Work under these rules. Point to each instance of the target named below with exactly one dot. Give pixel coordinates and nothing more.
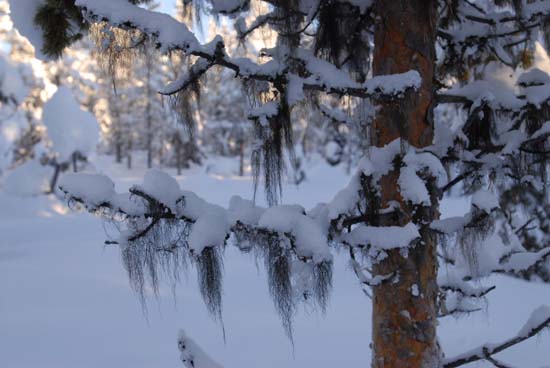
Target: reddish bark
(404, 325)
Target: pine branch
(496, 363)
(196, 71)
(486, 351)
(259, 22)
(541, 256)
(171, 35)
(157, 211)
(443, 98)
(457, 312)
(456, 181)
(524, 226)
(476, 293)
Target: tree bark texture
(405, 308)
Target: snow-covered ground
(65, 301)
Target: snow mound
(281, 218)
(383, 237)
(162, 187)
(244, 210)
(485, 201)
(538, 317)
(93, 189)
(449, 225)
(70, 129)
(533, 77)
(412, 188)
(168, 31)
(311, 238)
(210, 230)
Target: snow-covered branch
(539, 320)
(171, 35)
(192, 355)
(195, 72)
(159, 197)
(495, 29)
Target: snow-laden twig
(171, 35)
(192, 355)
(540, 319)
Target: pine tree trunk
(118, 149)
(149, 151)
(148, 117)
(53, 181)
(118, 136)
(178, 156)
(241, 157)
(129, 161)
(404, 322)
(129, 155)
(74, 159)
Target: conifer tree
(410, 59)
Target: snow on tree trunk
(404, 312)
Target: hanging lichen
(209, 266)
(322, 274)
(116, 49)
(272, 136)
(159, 252)
(183, 104)
(343, 38)
(277, 263)
(472, 238)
